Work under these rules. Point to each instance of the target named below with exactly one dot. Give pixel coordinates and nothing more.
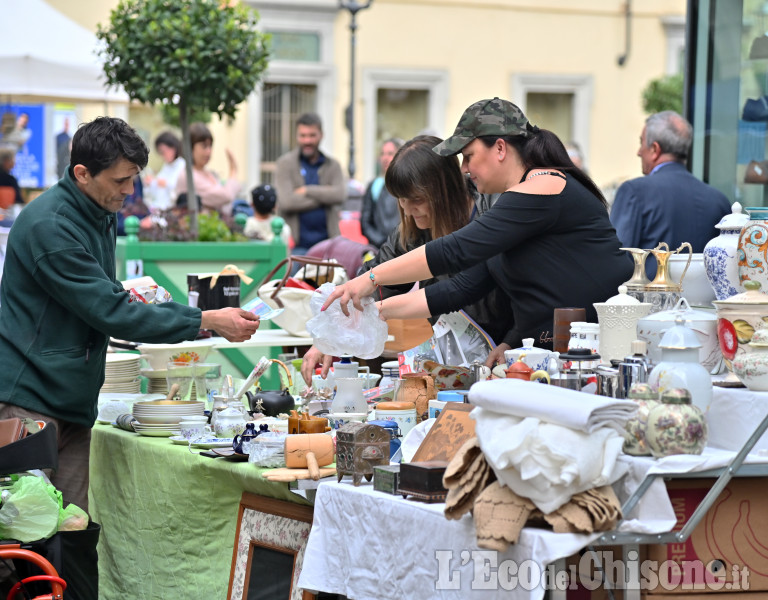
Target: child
(259, 226)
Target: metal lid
(753, 295)
(735, 220)
(680, 337)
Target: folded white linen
(556, 405)
(545, 462)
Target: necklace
(543, 173)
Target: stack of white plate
(122, 373)
(161, 418)
(158, 384)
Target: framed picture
(269, 549)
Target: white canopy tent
(44, 53)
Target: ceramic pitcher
(663, 282)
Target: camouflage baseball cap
(487, 117)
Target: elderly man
(310, 187)
(668, 204)
(61, 301)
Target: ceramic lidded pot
(721, 260)
(679, 366)
(539, 359)
(676, 426)
(738, 318)
(618, 317)
(752, 368)
(651, 329)
(646, 399)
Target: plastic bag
(73, 518)
(32, 511)
(266, 450)
(362, 334)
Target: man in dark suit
(668, 204)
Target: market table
(418, 553)
(168, 516)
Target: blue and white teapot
(538, 359)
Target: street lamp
(353, 7)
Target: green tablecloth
(168, 516)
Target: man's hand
(234, 324)
(301, 191)
(497, 356)
(311, 358)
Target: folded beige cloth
(593, 510)
(500, 515)
(466, 476)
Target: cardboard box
(728, 550)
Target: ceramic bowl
(336, 420)
(696, 287)
(159, 355)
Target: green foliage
(665, 93)
(171, 115)
(212, 229)
(206, 53)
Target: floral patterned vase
(721, 260)
(646, 399)
(753, 244)
(676, 426)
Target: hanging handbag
(282, 293)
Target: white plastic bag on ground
(362, 334)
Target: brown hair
(418, 172)
(199, 132)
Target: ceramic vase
(753, 245)
(721, 260)
(349, 396)
(676, 426)
(679, 366)
(634, 439)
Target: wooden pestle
(309, 451)
(172, 391)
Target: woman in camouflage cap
(547, 242)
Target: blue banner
(23, 126)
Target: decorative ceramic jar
(676, 426)
(679, 366)
(695, 285)
(721, 260)
(738, 319)
(753, 262)
(651, 328)
(539, 359)
(402, 413)
(646, 399)
(618, 317)
(752, 368)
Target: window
(282, 104)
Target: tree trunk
(186, 147)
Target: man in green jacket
(60, 301)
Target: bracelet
(372, 277)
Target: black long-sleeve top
(543, 251)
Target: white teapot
(230, 422)
(538, 359)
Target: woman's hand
(232, 164)
(496, 357)
(356, 289)
(311, 358)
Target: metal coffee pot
(573, 374)
(633, 369)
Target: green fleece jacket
(60, 303)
